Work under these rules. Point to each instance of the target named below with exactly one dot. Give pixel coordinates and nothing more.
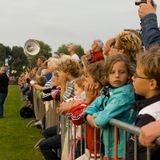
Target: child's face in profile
(77, 90)
(118, 75)
(139, 80)
(55, 81)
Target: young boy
(146, 82)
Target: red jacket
(96, 56)
(90, 139)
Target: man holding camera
(149, 24)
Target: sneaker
(36, 146)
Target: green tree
(45, 50)
(62, 49)
(8, 58)
(80, 50)
(2, 54)
(18, 60)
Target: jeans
(2, 99)
(49, 146)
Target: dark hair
(97, 71)
(42, 58)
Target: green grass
(17, 140)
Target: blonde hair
(53, 62)
(70, 66)
(130, 43)
(80, 83)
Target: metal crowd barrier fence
(127, 129)
(69, 132)
(38, 105)
(133, 130)
(45, 111)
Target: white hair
(99, 42)
(53, 62)
(65, 57)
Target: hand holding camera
(145, 7)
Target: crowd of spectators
(119, 79)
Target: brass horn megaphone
(31, 47)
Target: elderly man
(3, 88)
(96, 52)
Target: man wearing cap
(3, 88)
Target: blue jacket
(116, 105)
(150, 30)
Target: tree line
(17, 61)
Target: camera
(138, 2)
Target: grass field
(17, 140)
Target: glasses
(135, 75)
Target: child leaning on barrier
(53, 92)
(93, 83)
(75, 131)
(115, 102)
(68, 71)
(146, 82)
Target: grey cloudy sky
(59, 22)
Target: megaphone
(31, 47)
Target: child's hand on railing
(90, 119)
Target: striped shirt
(69, 92)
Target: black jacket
(4, 83)
(148, 111)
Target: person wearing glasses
(149, 24)
(146, 82)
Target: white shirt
(75, 57)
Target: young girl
(94, 79)
(115, 102)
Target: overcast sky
(58, 22)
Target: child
(146, 82)
(53, 92)
(78, 98)
(68, 70)
(94, 79)
(115, 102)
(71, 103)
